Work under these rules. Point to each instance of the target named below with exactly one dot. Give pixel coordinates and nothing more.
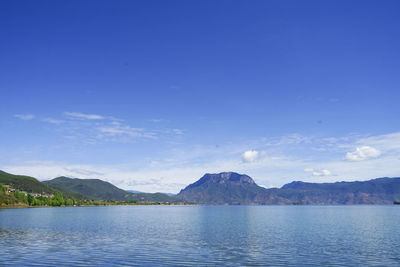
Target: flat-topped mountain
(228, 188)
(223, 178)
(234, 188)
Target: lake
(202, 235)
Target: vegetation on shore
(10, 197)
(97, 189)
(26, 191)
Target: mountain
(32, 185)
(157, 197)
(228, 188)
(169, 194)
(91, 188)
(223, 188)
(376, 191)
(24, 183)
(134, 191)
(100, 190)
(234, 188)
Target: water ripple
(201, 235)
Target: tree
(31, 200)
(57, 200)
(20, 197)
(3, 189)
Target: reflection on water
(202, 235)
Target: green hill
(100, 190)
(156, 197)
(25, 183)
(32, 185)
(91, 188)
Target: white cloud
(177, 131)
(53, 121)
(363, 153)
(185, 163)
(178, 164)
(96, 129)
(25, 117)
(84, 172)
(385, 142)
(291, 139)
(82, 116)
(323, 172)
(117, 129)
(252, 156)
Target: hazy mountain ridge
(233, 188)
(376, 191)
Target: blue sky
(150, 95)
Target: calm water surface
(202, 235)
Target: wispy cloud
(95, 128)
(289, 139)
(181, 166)
(118, 129)
(385, 142)
(177, 164)
(83, 116)
(84, 172)
(177, 131)
(25, 117)
(53, 121)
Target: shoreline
(191, 204)
(22, 206)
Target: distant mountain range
(220, 189)
(233, 188)
(91, 189)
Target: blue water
(202, 235)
